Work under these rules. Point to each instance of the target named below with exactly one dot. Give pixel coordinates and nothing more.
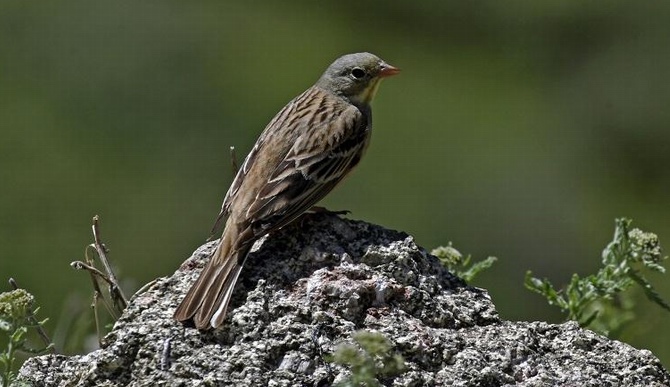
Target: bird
(302, 154)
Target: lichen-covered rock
(306, 289)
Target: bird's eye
(358, 73)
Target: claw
(324, 210)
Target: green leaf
(455, 262)
(595, 296)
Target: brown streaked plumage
(302, 154)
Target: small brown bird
(302, 154)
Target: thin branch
(96, 316)
(119, 299)
(233, 161)
(213, 234)
(95, 274)
(79, 265)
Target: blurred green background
(519, 129)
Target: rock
(306, 289)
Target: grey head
(356, 77)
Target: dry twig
(119, 300)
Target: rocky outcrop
(306, 289)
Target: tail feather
(222, 301)
(212, 290)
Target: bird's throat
(368, 94)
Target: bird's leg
(317, 211)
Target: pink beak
(387, 70)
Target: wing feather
(280, 118)
(316, 163)
(328, 138)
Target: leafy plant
(16, 317)
(371, 358)
(453, 260)
(600, 301)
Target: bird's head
(356, 77)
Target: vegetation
(370, 359)
(603, 301)
(453, 260)
(17, 316)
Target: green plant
(371, 358)
(453, 260)
(16, 317)
(600, 301)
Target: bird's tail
(206, 302)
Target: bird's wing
(249, 161)
(234, 187)
(320, 158)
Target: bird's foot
(324, 210)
